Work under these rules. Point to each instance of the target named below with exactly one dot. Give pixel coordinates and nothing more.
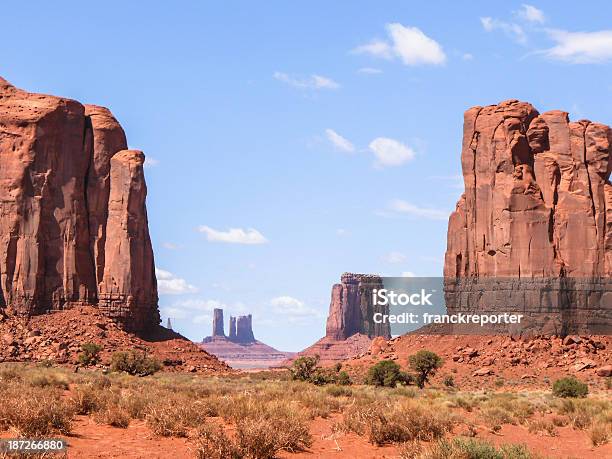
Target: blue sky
(327, 135)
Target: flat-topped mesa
(351, 309)
(537, 208)
(74, 226)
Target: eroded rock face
(351, 309)
(537, 207)
(72, 199)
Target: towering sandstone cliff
(534, 226)
(74, 223)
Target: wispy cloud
(511, 29)
(580, 47)
(293, 309)
(400, 207)
(313, 82)
(169, 284)
(369, 70)
(530, 13)
(150, 162)
(171, 246)
(408, 44)
(342, 232)
(390, 152)
(394, 257)
(248, 236)
(340, 143)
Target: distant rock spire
(169, 324)
(232, 328)
(218, 322)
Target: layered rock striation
(74, 225)
(533, 229)
(351, 309)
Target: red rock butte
(74, 222)
(537, 206)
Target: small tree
(134, 363)
(90, 353)
(386, 373)
(425, 364)
(303, 368)
(569, 387)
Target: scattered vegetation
(134, 363)
(90, 353)
(263, 415)
(306, 368)
(570, 387)
(425, 364)
(387, 373)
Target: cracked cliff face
(537, 201)
(74, 226)
(533, 231)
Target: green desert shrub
(570, 387)
(90, 353)
(304, 368)
(134, 363)
(386, 373)
(425, 364)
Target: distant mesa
(239, 348)
(350, 325)
(240, 329)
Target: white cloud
(390, 152)
(294, 309)
(467, 57)
(580, 47)
(342, 232)
(150, 162)
(403, 207)
(312, 82)
(170, 246)
(530, 13)
(339, 142)
(409, 44)
(233, 235)
(407, 274)
(511, 29)
(394, 257)
(169, 284)
(369, 70)
(376, 48)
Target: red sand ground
(91, 440)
